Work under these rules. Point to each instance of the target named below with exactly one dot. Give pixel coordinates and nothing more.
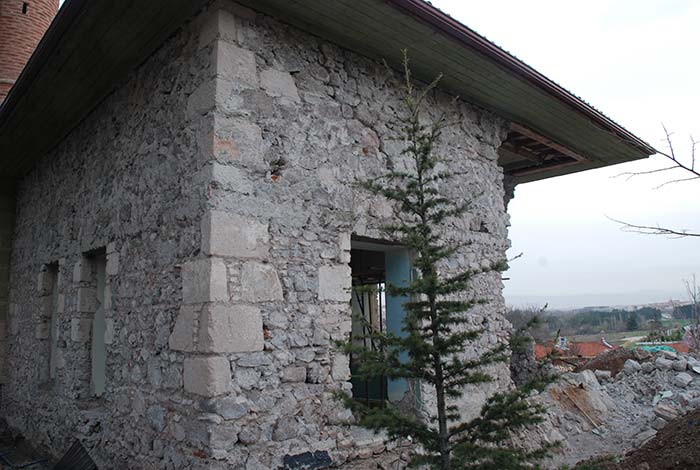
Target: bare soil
(675, 447)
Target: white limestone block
(219, 24)
(204, 280)
(334, 283)
(82, 271)
(182, 337)
(80, 329)
(112, 266)
(44, 282)
(234, 64)
(87, 300)
(227, 234)
(226, 328)
(207, 376)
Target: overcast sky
(636, 61)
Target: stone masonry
(216, 180)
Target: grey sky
(637, 62)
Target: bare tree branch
(653, 230)
(677, 165)
(676, 181)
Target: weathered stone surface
(682, 380)
(631, 366)
(294, 374)
(80, 329)
(112, 267)
(279, 84)
(229, 328)
(219, 24)
(82, 270)
(334, 283)
(259, 282)
(42, 330)
(234, 64)
(226, 234)
(680, 365)
(87, 300)
(648, 367)
(227, 407)
(663, 364)
(341, 367)
(603, 375)
(182, 337)
(44, 282)
(286, 428)
(228, 178)
(156, 417)
(669, 354)
(204, 280)
(207, 376)
(666, 412)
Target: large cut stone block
(207, 376)
(228, 178)
(182, 337)
(207, 96)
(260, 283)
(204, 280)
(334, 283)
(80, 329)
(227, 234)
(220, 24)
(231, 63)
(45, 282)
(279, 84)
(87, 300)
(82, 271)
(225, 328)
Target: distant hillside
(569, 302)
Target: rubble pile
(596, 413)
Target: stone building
(180, 237)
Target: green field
(612, 338)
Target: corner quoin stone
(182, 337)
(334, 283)
(204, 280)
(227, 234)
(207, 376)
(230, 328)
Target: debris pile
(613, 410)
(674, 447)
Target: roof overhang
(92, 45)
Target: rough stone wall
(216, 181)
(122, 181)
(7, 215)
(293, 121)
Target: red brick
(19, 35)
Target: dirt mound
(614, 360)
(675, 447)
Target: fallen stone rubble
(596, 413)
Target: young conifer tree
(436, 329)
